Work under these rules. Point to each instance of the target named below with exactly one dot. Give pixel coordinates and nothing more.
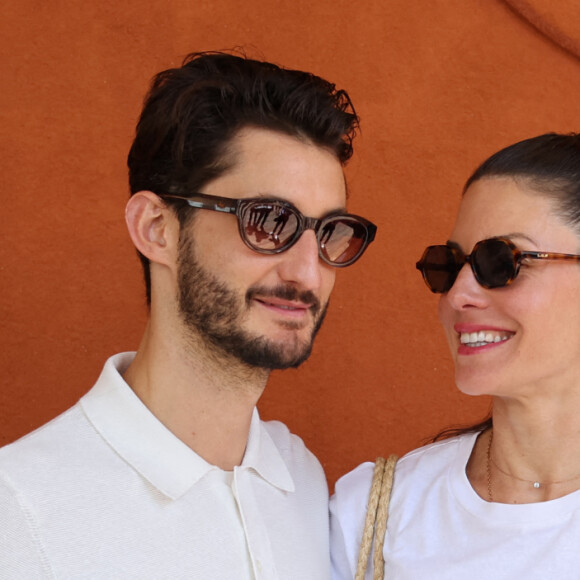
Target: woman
(500, 500)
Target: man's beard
(215, 313)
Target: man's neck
(205, 401)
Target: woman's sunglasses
(495, 263)
(271, 226)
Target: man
(164, 469)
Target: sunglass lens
(269, 226)
(494, 264)
(439, 268)
(342, 240)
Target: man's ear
(152, 226)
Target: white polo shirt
(106, 491)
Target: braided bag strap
(376, 518)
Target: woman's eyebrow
(511, 236)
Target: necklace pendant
(537, 485)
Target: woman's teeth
(481, 338)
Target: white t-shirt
(439, 528)
(106, 491)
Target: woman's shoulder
(414, 473)
(353, 488)
(433, 456)
(348, 508)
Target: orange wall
(439, 85)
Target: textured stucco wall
(439, 85)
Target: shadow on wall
(560, 22)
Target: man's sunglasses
(271, 226)
(495, 263)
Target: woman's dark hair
(455, 431)
(549, 165)
(192, 113)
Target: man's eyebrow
(273, 197)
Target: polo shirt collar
(263, 456)
(130, 428)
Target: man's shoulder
(53, 441)
(283, 437)
(67, 432)
(279, 431)
(290, 445)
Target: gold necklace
(535, 484)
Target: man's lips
(285, 307)
(285, 300)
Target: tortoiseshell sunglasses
(495, 263)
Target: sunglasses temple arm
(213, 206)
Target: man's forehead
(265, 163)
(251, 140)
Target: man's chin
(293, 359)
(273, 355)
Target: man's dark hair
(192, 113)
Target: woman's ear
(152, 226)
